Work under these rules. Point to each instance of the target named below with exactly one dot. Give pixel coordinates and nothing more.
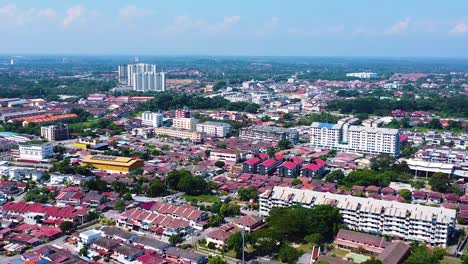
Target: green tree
(382, 162)
(418, 184)
(66, 226)
(335, 176)
(289, 254)
(284, 144)
(219, 164)
(235, 242)
(215, 260)
(271, 152)
(175, 239)
(421, 255)
(406, 194)
(296, 182)
(372, 261)
(119, 205)
(215, 220)
(464, 257)
(246, 194)
(156, 189)
(440, 182)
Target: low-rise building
(35, 151)
(269, 133)
(431, 225)
(214, 129)
(179, 133)
(186, 123)
(226, 155)
(113, 163)
(152, 119)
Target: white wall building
(55, 132)
(36, 151)
(142, 77)
(360, 139)
(362, 75)
(152, 119)
(185, 123)
(431, 225)
(214, 129)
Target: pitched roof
(394, 253)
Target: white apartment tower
(142, 77)
(152, 119)
(360, 139)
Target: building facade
(55, 132)
(214, 129)
(142, 77)
(360, 139)
(185, 123)
(179, 133)
(152, 119)
(113, 163)
(269, 133)
(36, 151)
(431, 225)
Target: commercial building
(84, 143)
(360, 139)
(431, 225)
(362, 75)
(269, 133)
(214, 129)
(55, 132)
(185, 123)
(152, 119)
(113, 163)
(179, 133)
(228, 155)
(35, 151)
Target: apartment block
(179, 133)
(55, 132)
(185, 123)
(36, 151)
(351, 138)
(152, 119)
(269, 133)
(431, 225)
(214, 129)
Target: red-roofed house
(220, 235)
(268, 166)
(289, 169)
(251, 165)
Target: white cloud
(184, 24)
(227, 23)
(131, 11)
(269, 26)
(73, 14)
(325, 31)
(459, 28)
(8, 10)
(399, 27)
(47, 12)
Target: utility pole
(243, 245)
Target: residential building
(182, 113)
(269, 133)
(179, 133)
(431, 225)
(251, 165)
(186, 123)
(268, 166)
(35, 151)
(220, 235)
(133, 69)
(55, 132)
(152, 119)
(113, 163)
(178, 255)
(362, 75)
(227, 155)
(214, 129)
(149, 81)
(289, 169)
(349, 138)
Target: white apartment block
(187, 123)
(431, 225)
(133, 69)
(231, 156)
(179, 133)
(36, 151)
(360, 139)
(214, 129)
(152, 119)
(362, 75)
(149, 81)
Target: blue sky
(396, 28)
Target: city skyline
(260, 28)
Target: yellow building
(112, 163)
(84, 143)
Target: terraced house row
(432, 225)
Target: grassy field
(304, 247)
(201, 198)
(448, 260)
(339, 253)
